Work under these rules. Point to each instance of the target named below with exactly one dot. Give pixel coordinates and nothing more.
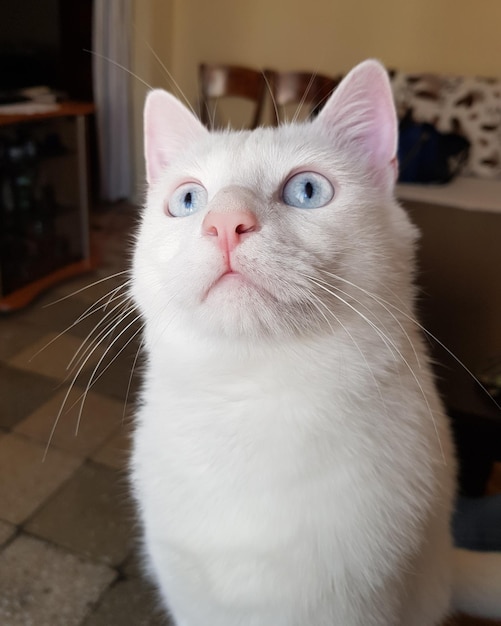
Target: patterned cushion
(469, 106)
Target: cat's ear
(168, 128)
(361, 112)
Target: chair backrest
(307, 90)
(220, 81)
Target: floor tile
(51, 356)
(15, 336)
(115, 452)
(100, 418)
(26, 480)
(90, 515)
(6, 532)
(49, 312)
(129, 603)
(21, 393)
(45, 586)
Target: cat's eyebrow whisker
(119, 65)
(93, 284)
(303, 99)
(273, 100)
(322, 101)
(170, 77)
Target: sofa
(471, 107)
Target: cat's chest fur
(256, 471)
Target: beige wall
(329, 36)
(152, 37)
(332, 35)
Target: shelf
(25, 295)
(64, 109)
(32, 264)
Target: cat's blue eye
(307, 190)
(187, 199)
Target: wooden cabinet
(44, 201)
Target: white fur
(292, 463)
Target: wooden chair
(222, 81)
(308, 91)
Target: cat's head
(254, 234)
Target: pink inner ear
(362, 112)
(169, 128)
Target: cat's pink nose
(230, 227)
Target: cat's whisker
(64, 402)
(122, 300)
(394, 317)
(386, 340)
(365, 291)
(93, 378)
(110, 297)
(131, 375)
(113, 295)
(93, 284)
(390, 346)
(428, 333)
(357, 301)
(315, 301)
(62, 408)
(104, 332)
(87, 313)
(355, 343)
(98, 341)
(59, 413)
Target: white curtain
(111, 45)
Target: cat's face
(241, 228)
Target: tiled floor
(68, 535)
(68, 547)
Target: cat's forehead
(265, 155)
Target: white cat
(292, 462)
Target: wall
(152, 30)
(332, 35)
(329, 36)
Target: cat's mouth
(228, 278)
(230, 281)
